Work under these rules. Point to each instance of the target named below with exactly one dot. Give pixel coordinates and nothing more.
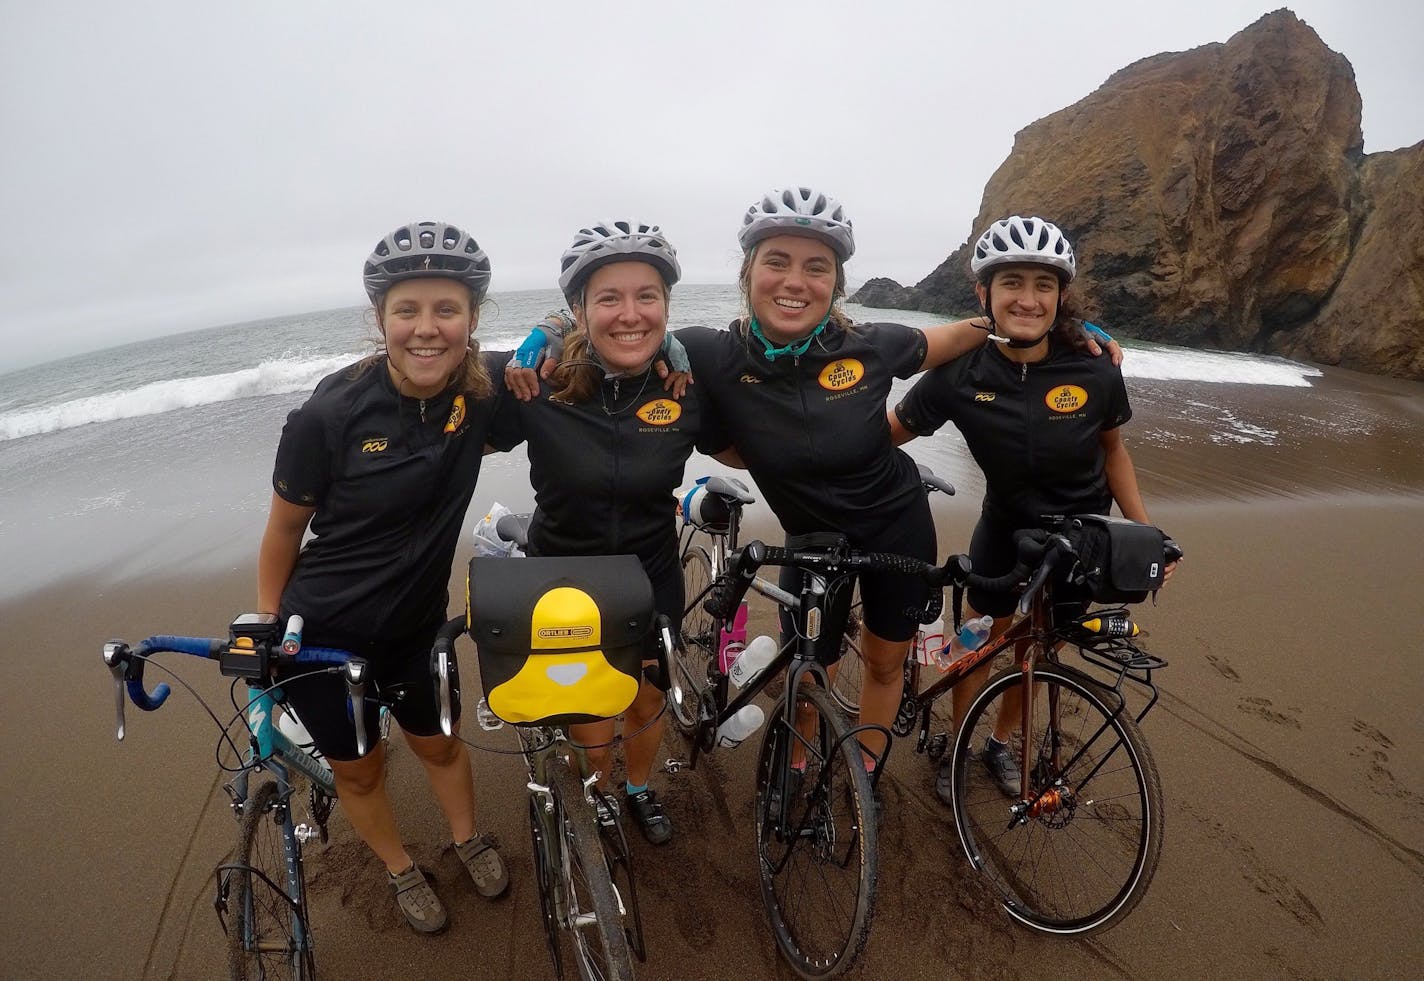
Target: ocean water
(154, 456)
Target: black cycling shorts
(992, 553)
(399, 675)
(889, 599)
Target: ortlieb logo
(660, 412)
(840, 375)
(1066, 398)
(564, 633)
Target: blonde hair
(578, 370)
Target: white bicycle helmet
(1013, 240)
(615, 241)
(427, 248)
(798, 211)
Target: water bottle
(740, 726)
(971, 637)
(753, 660)
(732, 642)
(929, 639)
(290, 726)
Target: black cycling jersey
(812, 429)
(391, 478)
(604, 472)
(1034, 429)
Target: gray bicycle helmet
(1014, 240)
(615, 241)
(427, 248)
(798, 211)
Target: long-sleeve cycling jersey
(1034, 429)
(604, 472)
(391, 478)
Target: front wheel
(1078, 853)
(693, 657)
(817, 852)
(594, 910)
(265, 915)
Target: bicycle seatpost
(355, 671)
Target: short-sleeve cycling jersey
(1033, 428)
(391, 478)
(812, 429)
(604, 472)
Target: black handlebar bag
(561, 640)
(1120, 561)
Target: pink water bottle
(732, 642)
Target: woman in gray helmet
(380, 463)
(607, 447)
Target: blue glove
(675, 353)
(531, 351)
(1094, 330)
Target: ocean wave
(1213, 366)
(278, 377)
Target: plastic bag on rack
(487, 539)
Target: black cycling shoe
(944, 784)
(651, 818)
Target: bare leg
(881, 685)
(641, 750)
(361, 787)
(597, 735)
(447, 764)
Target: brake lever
(356, 671)
(116, 656)
(440, 666)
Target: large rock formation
(1221, 197)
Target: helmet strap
(994, 334)
(795, 348)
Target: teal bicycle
(261, 893)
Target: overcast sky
(168, 166)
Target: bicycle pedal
(673, 765)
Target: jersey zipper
(805, 410)
(422, 410)
(617, 469)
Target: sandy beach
(1287, 739)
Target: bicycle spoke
(266, 928)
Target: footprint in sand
(1371, 733)
(1262, 708)
(1223, 667)
(1378, 775)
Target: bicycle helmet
(427, 248)
(1013, 240)
(615, 241)
(799, 211)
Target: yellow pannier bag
(560, 640)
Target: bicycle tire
(850, 669)
(263, 922)
(818, 880)
(544, 885)
(692, 659)
(594, 920)
(1084, 860)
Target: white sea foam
(1180, 364)
(268, 378)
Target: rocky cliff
(1220, 197)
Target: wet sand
(1287, 738)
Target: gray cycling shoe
(417, 900)
(1003, 767)
(481, 859)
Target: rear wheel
(594, 918)
(1078, 855)
(691, 660)
(267, 935)
(817, 854)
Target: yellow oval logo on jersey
(1066, 398)
(840, 375)
(660, 412)
(457, 415)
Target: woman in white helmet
(607, 447)
(380, 462)
(1041, 419)
(800, 392)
